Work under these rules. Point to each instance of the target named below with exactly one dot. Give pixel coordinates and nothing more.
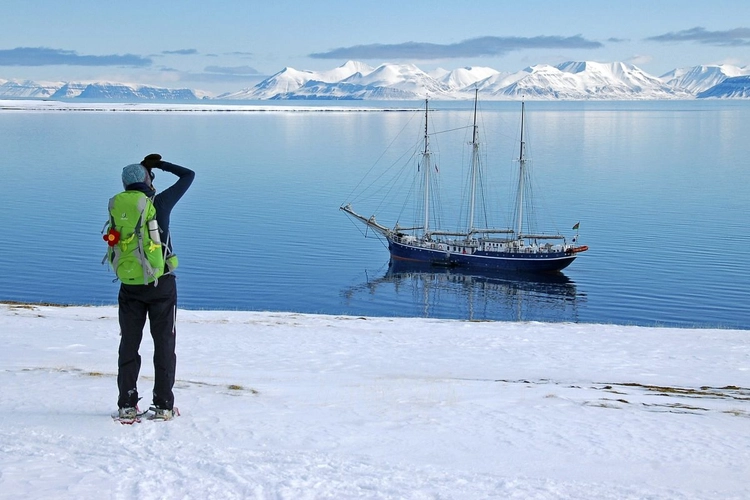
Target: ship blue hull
(502, 261)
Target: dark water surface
(660, 190)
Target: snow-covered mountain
(540, 81)
(463, 77)
(574, 80)
(345, 71)
(95, 90)
(121, 91)
(404, 77)
(286, 80)
(571, 80)
(737, 87)
(289, 80)
(27, 89)
(617, 80)
(70, 90)
(579, 80)
(344, 90)
(700, 78)
(387, 81)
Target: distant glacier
(574, 80)
(99, 90)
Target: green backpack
(135, 252)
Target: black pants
(159, 303)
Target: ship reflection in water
(422, 290)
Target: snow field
(283, 405)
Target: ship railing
(491, 231)
(448, 233)
(543, 236)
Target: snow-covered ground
(10, 105)
(291, 406)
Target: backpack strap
(148, 270)
(110, 224)
(166, 247)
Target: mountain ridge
(571, 80)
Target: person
(157, 300)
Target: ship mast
(427, 167)
(521, 176)
(474, 167)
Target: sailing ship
(507, 249)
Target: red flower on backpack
(112, 237)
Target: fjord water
(659, 188)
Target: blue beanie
(134, 173)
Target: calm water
(660, 190)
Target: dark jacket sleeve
(170, 196)
(165, 201)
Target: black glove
(151, 161)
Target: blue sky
(228, 45)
